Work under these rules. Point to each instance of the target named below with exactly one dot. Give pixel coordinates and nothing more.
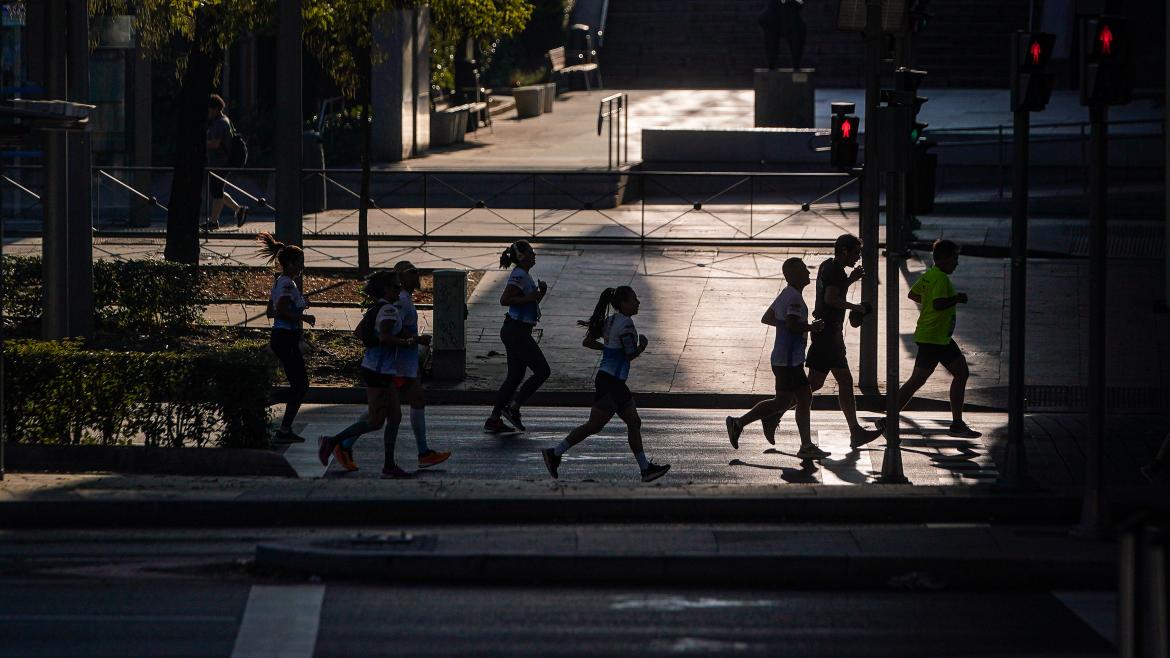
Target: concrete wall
(401, 85)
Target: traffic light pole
(1016, 467)
(871, 194)
(1093, 512)
(892, 472)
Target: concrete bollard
(449, 346)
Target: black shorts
(827, 351)
(930, 355)
(789, 378)
(376, 379)
(611, 393)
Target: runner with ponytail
(286, 307)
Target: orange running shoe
(345, 458)
(433, 457)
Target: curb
(440, 397)
(752, 570)
(324, 511)
(138, 459)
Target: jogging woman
(287, 309)
(408, 379)
(381, 332)
(620, 344)
(522, 295)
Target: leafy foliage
(141, 296)
(61, 393)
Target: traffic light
(1031, 81)
(843, 136)
(1106, 66)
(919, 16)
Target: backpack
(367, 329)
(238, 152)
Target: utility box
(449, 342)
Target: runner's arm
(834, 298)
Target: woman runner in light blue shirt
(619, 342)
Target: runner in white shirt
(409, 378)
(522, 295)
(619, 342)
(789, 314)
(286, 307)
(381, 332)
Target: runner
(827, 352)
(408, 378)
(381, 332)
(1159, 469)
(789, 314)
(935, 293)
(286, 307)
(522, 295)
(620, 344)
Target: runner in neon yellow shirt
(935, 293)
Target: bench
(557, 66)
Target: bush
(141, 296)
(57, 392)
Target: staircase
(655, 44)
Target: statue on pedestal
(781, 19)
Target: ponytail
(596, 322)
(378, 282)
(511, 255)
(273, 250)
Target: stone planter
(529, 100)
(550, 96)
(448, 126)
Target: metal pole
(1093, 511)
(1015, 471)
(870, 193)
(609, 138)
(289, 215)
(892, 472)
(626, 109)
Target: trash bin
(529, 100)
(313, 193)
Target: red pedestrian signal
(1106, 66)
(1031, 82)
(843, 135)
(1105, 40)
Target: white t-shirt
(528, 313)
(789, 347)
(382, 358)
(286, 287)
(407, 357)
(619, 341)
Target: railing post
(424, 206)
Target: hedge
(58, 392)
(143, 296)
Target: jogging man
(935, 293)
(789, 314)
(827, 352)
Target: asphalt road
(694, 442)
(215, 618)
(126, 593)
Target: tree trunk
(367, 141)
(188, 185)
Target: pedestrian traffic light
(843, 136)
(1031, 81)
(1106, 65)
(919, 16)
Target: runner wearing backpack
(381, 332)
(225, 148)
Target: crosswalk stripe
(280, 622)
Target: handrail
(261, 201)
(618, 104)
(21, 188)
(150, 200)
(1035, 126)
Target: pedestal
(785, 98)
(529, 101)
